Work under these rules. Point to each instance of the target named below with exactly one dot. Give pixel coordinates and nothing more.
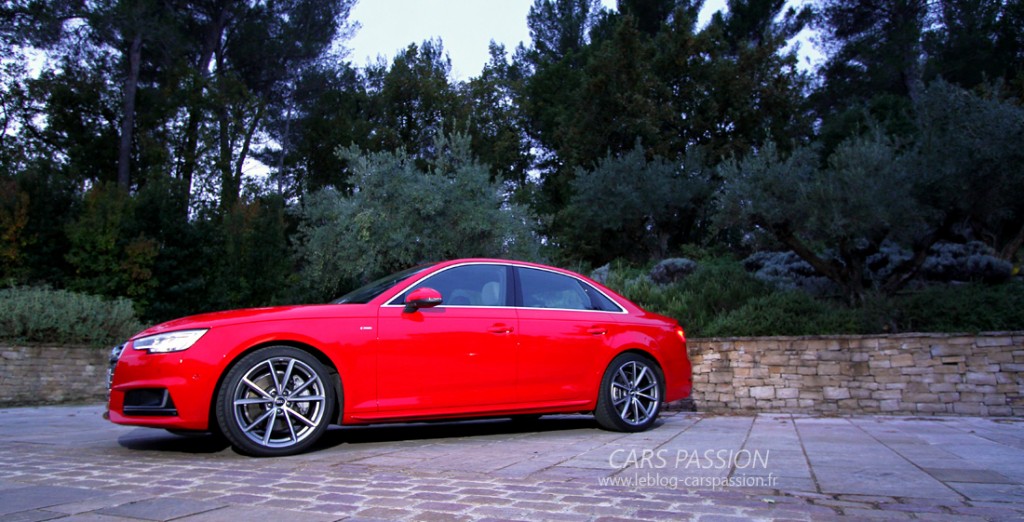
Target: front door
(459, 354)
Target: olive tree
(834, 217)
(960, 178)
(405, 210)
(632, 207)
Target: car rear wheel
(630, 394)
(275, 401)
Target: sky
(465, 27)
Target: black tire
(630, 395)
(275, 401)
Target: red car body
(389, 362)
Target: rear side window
(544, 289)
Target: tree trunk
(1011, 248)
(131, 85)
(211, 44)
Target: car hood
(252, 315)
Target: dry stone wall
(911, 374)
(36, 375)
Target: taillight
(681, 334)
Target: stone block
(1000, 411)
(980, 378)
(889, 405)
(933, 408)
(942, 350)
(835, 393)
(762, 392)
(990, 342)
(999, 357)
(828, 369)
(775, 360)
(940, 387)
(969, 408)
(901, 360)
(787, 393)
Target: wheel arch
(320, 356)
(643, 352)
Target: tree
(970, 165)
(496, 124)
(835, 217)
(874, 48)
(631, 207)
(958, 179)
(412, 101)
(976, 42)
(401, 213)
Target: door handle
(500, 329)
(597, 330)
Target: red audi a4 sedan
(452, 340)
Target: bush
(721, 299)
(672, 270)
(973, 261)
(58, 316)
(969, 308)
(785, 313)
(717, 286)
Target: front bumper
(166, 390)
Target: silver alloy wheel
(634, 393)
(279, 402)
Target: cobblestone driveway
(67, 463)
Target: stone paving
(67, 463)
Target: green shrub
(969, 308)
(722, 299)
(718, 286)
(785, 313)
(58, 316)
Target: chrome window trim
(391, 302)
(622, 310)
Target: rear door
(563, 329)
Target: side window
(543, 289)
(469, 285)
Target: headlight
(169, 342)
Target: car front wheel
(630, 395)
(275, 401)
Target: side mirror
(421, 298)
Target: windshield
(365, 294)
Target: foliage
(400, 214)
(106, 258)
(672, 269)
(721, 299)
(871, 192)
(717, 287)
(785, 313)
(58, 316)
(859, 200)
(629, 206)
(126, 152)
(969, 308)
(972, 261)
